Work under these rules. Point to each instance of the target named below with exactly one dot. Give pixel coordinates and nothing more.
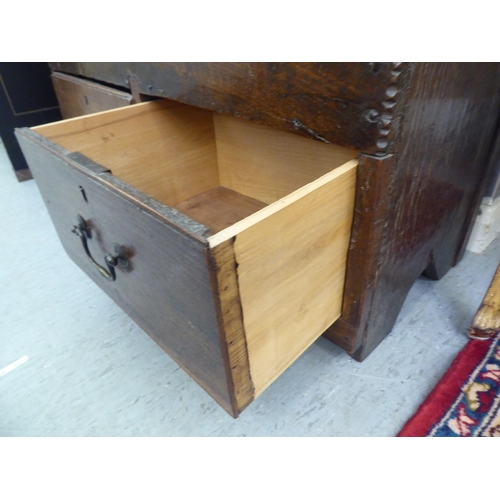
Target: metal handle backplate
(118, 258)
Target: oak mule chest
(253, 207)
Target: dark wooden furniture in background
(27, 99)
(423, 131)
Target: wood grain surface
(365, 249)
(219, 208)
(268, 164)
(78, 97)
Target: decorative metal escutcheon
(118, 258)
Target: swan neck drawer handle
(112, 260)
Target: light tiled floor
(91, 371)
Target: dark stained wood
(168, 274)
(219, 208)
(23, 175)
(432, 188)
(77, 96)
(349, 104)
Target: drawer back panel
(268, 164)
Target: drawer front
(78, 97)
(166, 289)
(349, 104)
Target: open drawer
(226, 241)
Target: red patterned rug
(466, 401)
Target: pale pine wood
(165, 150)
(291, 270)
(80, 124)
(271, 209)
(219, 208)
(268, 164)
(486, 322)
(227, 299)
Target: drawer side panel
(167, 289)
(291, 271)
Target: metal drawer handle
(112, 260)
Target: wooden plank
(268, 164)
(291, 267)
(78, 97)
(219, 208)
(486, 322)
(275, 207)
(233, 340)
(167, 289)
(80, 162)
(421, 222)
(340, 103)
(23, 174)
(163, 149)
(371, 199)
(435, 184)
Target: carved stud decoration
(386, 118)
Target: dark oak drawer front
(166, 290)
